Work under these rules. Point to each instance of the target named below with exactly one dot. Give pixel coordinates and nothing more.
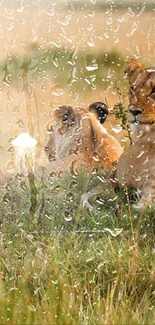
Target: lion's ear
(100, 109)
(132, 69)
(64, 114)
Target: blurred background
(65, 52)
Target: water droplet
(92, 68)
(20, 123)
(55, 281)
(68, 218)
(90, 27)
(66, 21)
(109, 21)
(10, 26)
(51, 13)
(116, 40)
(20, 9)
(117, 130)
(48, 217)
(115, 232)
(32, 308)
(106, 35)
(87, 81)
(95, 156)
(132, 30)
(11, 149)
(89, 259)
(125, 17)
(91, 43)
(10, 165)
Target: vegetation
(120, 113)
(78, 71)
(60, 264)
(114, 6)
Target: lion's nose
(136, 111)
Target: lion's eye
(153, 91)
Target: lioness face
(64, 119)
(141, 93)
(72, 131)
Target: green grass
(60, 264)
(114, 6)
(81, 71)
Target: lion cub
(78, 138)
(136, 166)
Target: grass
(81, 71)
(114, 6)
(60, 264)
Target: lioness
(78, 138)
(136, 166)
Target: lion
(136, 166)
(78, 138)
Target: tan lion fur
(136, 166)
(79, 139)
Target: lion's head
(136, 167)
(141, 93)
(79, 131)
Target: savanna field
(60, 263)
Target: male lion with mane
(136, 166)
(78, 138)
